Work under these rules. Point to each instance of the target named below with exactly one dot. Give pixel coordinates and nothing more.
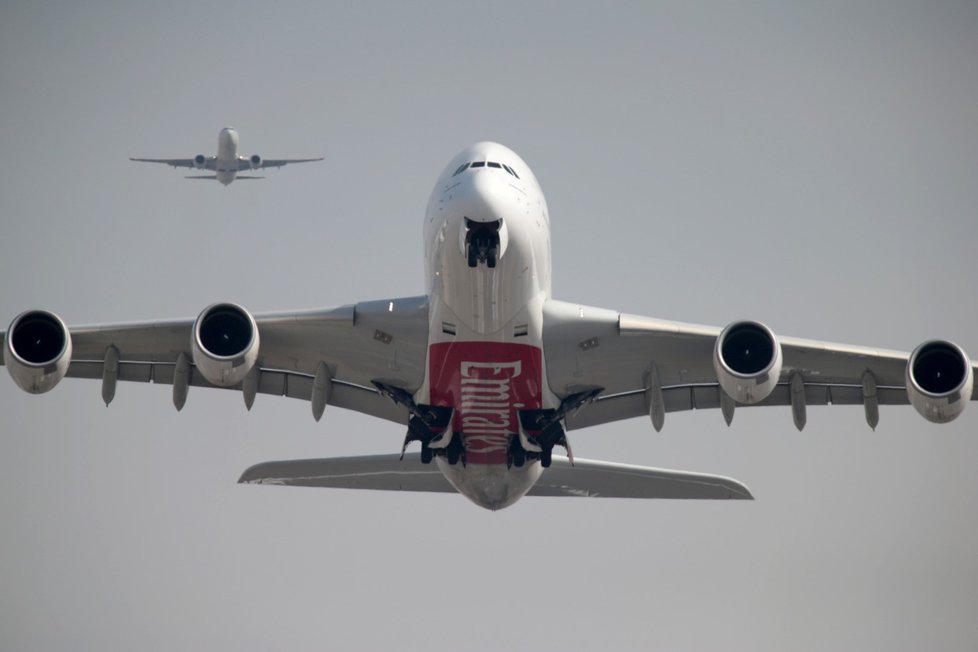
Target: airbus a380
(227, 164)
(486, 371)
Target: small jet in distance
(227, 164)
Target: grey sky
(815, 168)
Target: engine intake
(747, 360)
(255, 161)
(37, 350)
(939, 380)
(225, 343)
(199, 161)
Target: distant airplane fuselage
(227, 165)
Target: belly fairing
(486, 383)
(492, 486)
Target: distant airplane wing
(358, 343)
(584, 479)
(209, 162)
(245, 163)
(587, 348)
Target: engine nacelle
(939, 380)
(37, 350)
(199, 161)
(255, 161)
(224, 342)
(747, 360)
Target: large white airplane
(487, 371)
(227, 164)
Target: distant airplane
(486, 371)
(227, 164)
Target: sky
(813, 167)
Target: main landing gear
(429, 424)
(541, 430)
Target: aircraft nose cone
(228, 134)
(485, 196)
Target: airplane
(227, 164)
(486, 371)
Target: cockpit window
(482, 164)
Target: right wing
(210, 163)
(588, 348)
(245, 164)
(374, 340)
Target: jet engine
(224, 343)
(747, 360)
(939, 380)
(199, 161)
(255, 161)
(37, 350)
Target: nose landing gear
(482, 242)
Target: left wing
(353, 344)
(244, 163)
(650, 367)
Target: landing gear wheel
(473, 256)
(546, 457)
(519, 457)
(453, 452)
(426, 454)
(491, 258)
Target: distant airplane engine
(747, 360)
(37, 350)
(255, 161)
(199, 161)
(225, 343)
(939, 380)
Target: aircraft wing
(583, 479)
(245, 164)
(210, 163)
(359, 343)
(588, 348)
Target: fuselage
(227, 155)
(487, 256)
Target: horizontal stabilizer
(385, 472)
(585, 479)
(594, 479)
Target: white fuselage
(227, 155)
(485, 354)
